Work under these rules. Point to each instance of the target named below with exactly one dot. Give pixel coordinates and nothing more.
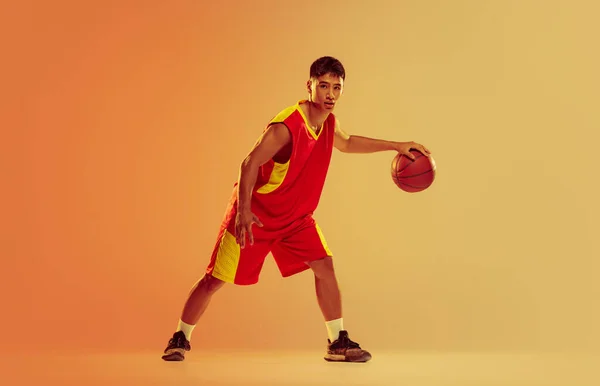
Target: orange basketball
(413, 175)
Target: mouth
(330, 104)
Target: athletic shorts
(291, 250)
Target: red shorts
(304, 242)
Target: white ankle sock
(334, 327)
(186, 328)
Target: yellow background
(124, 124)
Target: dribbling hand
(243, 227)
(404, 148)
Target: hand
(243, 226)
(405, 148)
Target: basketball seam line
(416, 175)
(412, 186)
(410, 163)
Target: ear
(308, 86)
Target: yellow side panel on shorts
(323, 240)
(228, 258)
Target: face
(325, 91)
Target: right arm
(268, 145)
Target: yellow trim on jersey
(276, 178)
(323, 241)
(284, 114)
(314, 135)
(228, 258)
(280, 170)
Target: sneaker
(177, 347)
(344, 350)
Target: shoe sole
(343, 358)
(173, 358)
(174, 355)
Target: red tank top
(287, 192)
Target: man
(271, 208)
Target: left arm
(357, 144)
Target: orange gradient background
(124, 124)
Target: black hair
(327, 64)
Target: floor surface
(301, 368)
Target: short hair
(327, 64)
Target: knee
(323, 268)
(211, 284)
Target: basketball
(413, 175)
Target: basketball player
(271, 210)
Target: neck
(316, 117)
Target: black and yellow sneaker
(344, 350)
(177, 347)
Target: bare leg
(195, 305)
(341, 348)
(326, 286)
(199, 298)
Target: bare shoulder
(337, 121)
(338, 129)
(278, 132)
(337, 124)
(274, 137)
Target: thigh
(293, 252)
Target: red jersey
(285, 193)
